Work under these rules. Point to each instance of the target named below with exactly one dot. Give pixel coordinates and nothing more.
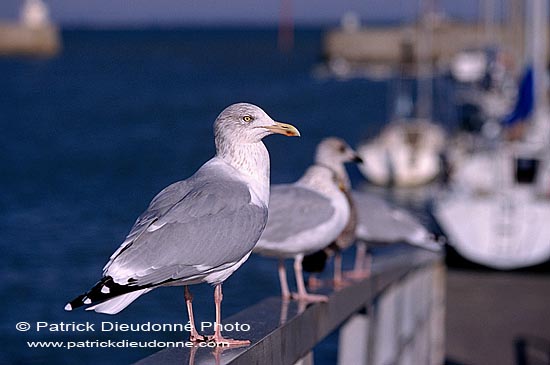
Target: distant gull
(381, 223)
(198, 230)
(304, 217)
(333, 153)
(372, 220)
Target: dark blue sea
(87, 139)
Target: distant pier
(33, 35)
(21, 40)
(354, 46)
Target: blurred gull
(198, 230)
(304, 217)
(372, 220)
(380, 223)
(333, 153)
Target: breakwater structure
(353, 47)
(33, 35)
(396, 316)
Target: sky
(224, 12)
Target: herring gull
(372, 220)
(304, 217)
(333, 152)
(198, 230)
(381, 223)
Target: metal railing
(395, 316)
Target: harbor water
(90, 136)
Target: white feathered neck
(252, 161)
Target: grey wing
(380, 222)
(375, 222)
(160, 204)
(190, 229)
(294, 209)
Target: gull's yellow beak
(283, 128)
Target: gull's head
(247, 123)
(333, 152)
(321, 178)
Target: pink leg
(359, 271)
(285, 292)
(302, 293)
(218, 338)
(360, 256)
(338, 280)
(314, 283)
(194, 336)
(367, 264)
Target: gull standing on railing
(379, 223)
(198, 230)
(304, 217)
(333, 152)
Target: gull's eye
(342, 148)
(247, 118)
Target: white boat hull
(505, 232)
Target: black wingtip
(103, 290)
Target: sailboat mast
(538, 55)
(286, 27)
(539, 39)
(425, 40)
(489, 14)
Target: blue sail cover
(525, 101)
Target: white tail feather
(115, 305)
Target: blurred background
(104, 103)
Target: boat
(498, 209)
(33, 35)
(469, 66)
(485, 74)
(484, 96)
(407, 152)
(500, 223)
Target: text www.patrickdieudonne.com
(118, 344)
(75, 327)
